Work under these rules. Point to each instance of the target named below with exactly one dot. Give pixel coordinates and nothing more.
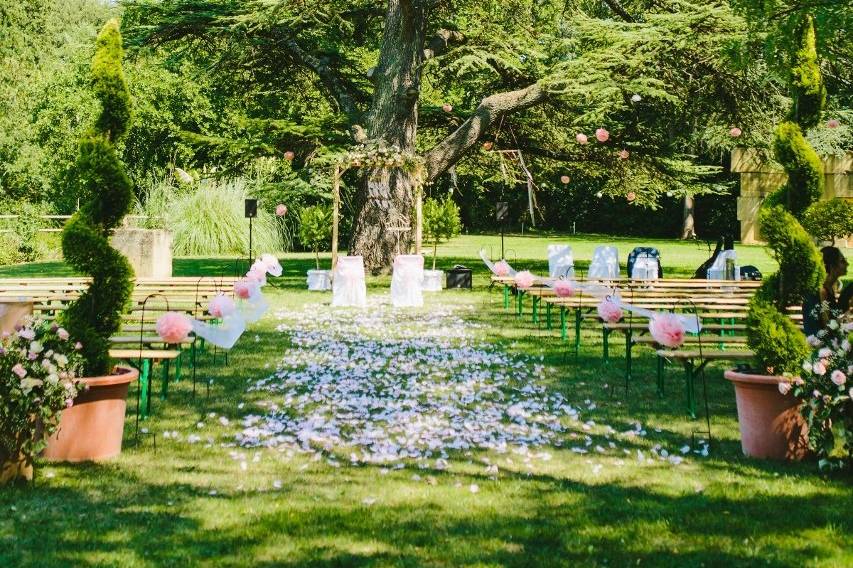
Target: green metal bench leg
(535, 309)
(179, 364)
(548, 316)
(519, 300)
(606, 343)
(145, 388)
(578, 317)
(661, 365)
(164, 392)
(563, 331)
(506, 297)
(629, 357)
(691, 394)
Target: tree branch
(617, 8)
(439, 42)
(334, 83)
(451, 149)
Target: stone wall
(759, 178)
(148, 250)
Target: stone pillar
(760, 176)
(148, 250)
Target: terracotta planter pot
(93, 428)
(771, 426)
(14, 469)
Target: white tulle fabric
(485, 258)
(561, 261)
(718, 269)
(645, 268)
(348, 285)
(228, 331)
(605, 263)
(407, 281)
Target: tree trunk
(688, 230)
(385, 203)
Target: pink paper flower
(667, 330)
(487, 145)
(19, 370)
(564, 179)
(784, 387)
(832, 123)
(78, 346)
(631, 196)
(447, 107)
(289, 155)
(624, 154)
(564, 288)
(62, 334)
(838, 377)
(524, 279)
(609, 311)
(735, 132)
(281, 210)
(221, 306)
(581, 138)
(242, 289)
(173, 327)
(602, 135)
(501, 268)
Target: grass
(156, 506)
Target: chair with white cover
(561, 262)
(718, 269)
(348, 285)
(407, 281)
(605, 263)
(644, 264)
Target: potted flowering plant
(826, 392)
(39, 366)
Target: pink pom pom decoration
(735, 132)
(602, 135)
(564, 288)
(667, 330)
(832, 123)
(581, 138)
(524, 279)
(281, 210)
(447, 107)
(501, 268)
(271, 264)
(609, 312)
(631, 196)
(257, 275)
(487, 145)
(289, 155)
(565, 179)
(221, 306)
(173, 327)
(243, 289)
(623, 154)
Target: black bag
(459, 277)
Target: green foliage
(830, 219)
(315, 228)
(96, 314)
(779, 344)
(441, 221)
(208, 218)
(37, 366)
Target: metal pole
(250, 242)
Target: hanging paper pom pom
(564, 179)
(243, 289)
(735, 132)
(221, 306)
(599, 195)
(447, 107)
(524, 279)
(623, 154)
(501, 268)
(564, 288)
(609, 311)
(636, 98)
(581, 138)
(173, 327)
(602, 135)
(487, 145)
(667, 330)
(631, 196)
(281, 210)
(271, 264)
(289, 155)
(832, 123)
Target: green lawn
(183, 504)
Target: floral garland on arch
(380, 156)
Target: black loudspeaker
(459, 277)
(251, 208)
(501, 211)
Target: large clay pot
(93, 428)
(14, 469)
(771, 426)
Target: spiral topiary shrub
(777, 341)
(96, 314)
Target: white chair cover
(561, 262)
(645, 268)
(407, 281)
(605, 263)
(718, 269)
(348, 285)
(319, 280)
